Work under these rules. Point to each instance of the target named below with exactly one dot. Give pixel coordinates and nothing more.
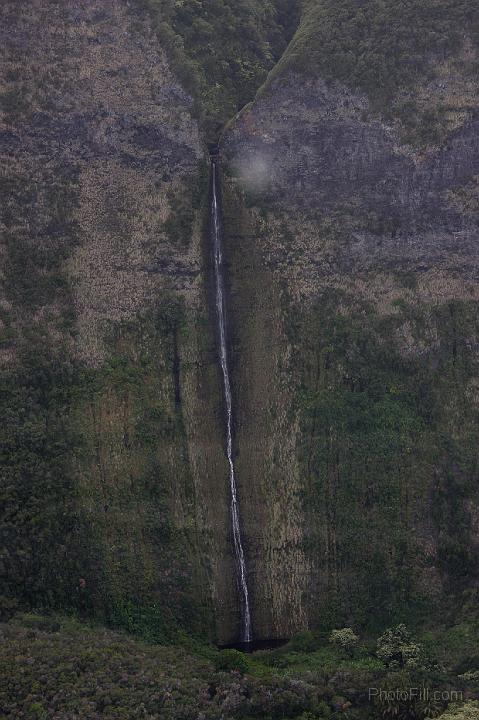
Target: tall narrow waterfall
(223, 352)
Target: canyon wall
(350, 215)
(114, 476)
(354, 272)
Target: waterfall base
(254, 645)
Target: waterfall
(223, 356)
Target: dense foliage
(344, 638)
(42, 536)
(63, 539)
(223, 49)
(387, 434)
(397, 649)
(378, 46)
(87, 453)
(55, 668)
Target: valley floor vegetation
(54, 668)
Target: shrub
(467, 711)
(345, 638)
(229, 660)
(303, 642)
(470, 676)
(38, 711)
(397, 649)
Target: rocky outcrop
(392, 207)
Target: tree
(345, 638)
(397, 649)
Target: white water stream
(221, 315)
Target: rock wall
(105, 185)
(351, 243)
(354, 276)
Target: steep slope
(112, 441)
(351, 208)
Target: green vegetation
(222, 50)
(93, 459)
(396, 648)
(43, 538)
(378, 46)
(229, 660)
(345, 638)
(97, 499)
(70, 524)
(386, 434)
(54, 667)
(71, 519)
(467, 711)
(225, 51)
(144, 575)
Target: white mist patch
(254, 171)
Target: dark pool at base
(254, 645)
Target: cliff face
(351, 241)
(364, 252)
(113, 440)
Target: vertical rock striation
(351, 266)
(222, 333)
(354, 271)
(114, 446)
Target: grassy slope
(387, 49)
(93, 462)
(388, 447)
(96, 493)
(374, 414)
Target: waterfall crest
(223, 356)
